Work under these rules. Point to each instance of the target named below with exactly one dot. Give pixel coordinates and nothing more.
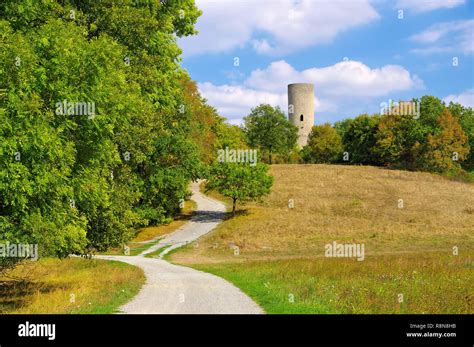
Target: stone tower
(301, 109)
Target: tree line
(439, 139)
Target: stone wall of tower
(301, 109)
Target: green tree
(324, 145)
(446, 148)
(71, 182)
(229, 135)
(395, 140)
(465, 116)
(268, 129)
(203, 120)
(359, 139)
(240, 181)
(342, 126)
(404, 140)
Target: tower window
(301, 118)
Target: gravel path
(177, 289)
(208, 214)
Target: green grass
(430, 283)
(157, 252)
(143, 247)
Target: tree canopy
(268, 129)
(324, 145)
(74, 181)
(240, 181)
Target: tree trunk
(234, 201)
(270, 156)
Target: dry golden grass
(73, 285)
(408, 250)
(344, 204)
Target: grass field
(410, 223)
(73, 285)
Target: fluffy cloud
(427, 5)
(466, 98)
(235, 102)
(336, 87)
(229, 24)
(447, 37)
(351, 78)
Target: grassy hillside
(408, 242)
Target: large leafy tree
(446, 148)
(77, 182)
(395, 140)
(268, 129)
(359, 139)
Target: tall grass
(409, 222)
(73, 285)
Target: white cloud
(336, 87)
(446, 37)
(351, 78)
(236, 101)
(466, 98)
(427, 5)
(290, 25)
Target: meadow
(417, 229)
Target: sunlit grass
(73, 285)
(424, 283)
(401, 217)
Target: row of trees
(74, 183)
(439, 139)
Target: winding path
(172, 288)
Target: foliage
(465, 115)
(446, 148)
(268, 129)
(240, 181)
(324, 145)
(73, 182)
(359, 139)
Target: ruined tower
(301, 109)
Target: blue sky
(358, 53)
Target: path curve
(172, 288)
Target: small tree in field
(240, 181)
